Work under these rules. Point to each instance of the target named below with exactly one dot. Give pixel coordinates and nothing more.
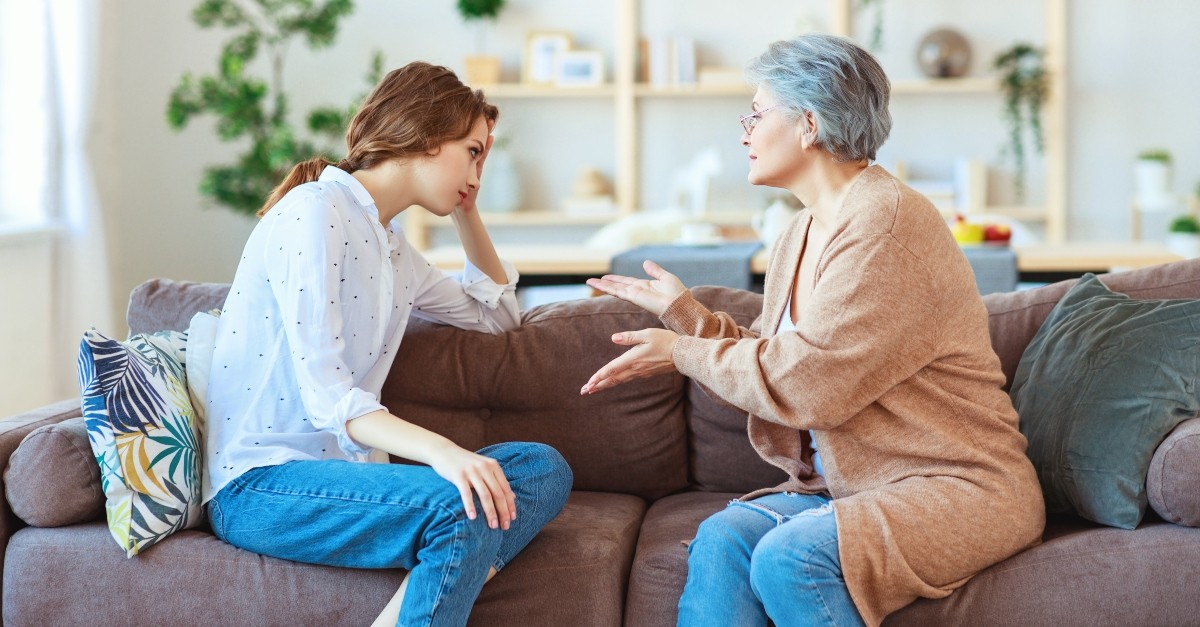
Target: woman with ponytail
(316, 312)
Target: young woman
(873, 342)
(314, 317)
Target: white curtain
(83, 297)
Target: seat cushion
(573, 573)
(1082, 574)
(660, 564)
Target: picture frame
(579, 68)
(541, 52)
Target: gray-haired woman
(873, 347)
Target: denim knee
(717, 536)
(781, 560)
(536, 462)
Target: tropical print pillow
(144, 434)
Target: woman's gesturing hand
(473, 472)
(653, 295)
(650, 355)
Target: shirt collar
(338, 175)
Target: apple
(999, 233)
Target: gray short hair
(839, 82)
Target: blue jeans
(775, 557)
(361, 515)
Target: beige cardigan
(892, 366)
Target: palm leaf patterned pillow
(144, 433)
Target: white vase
(1186, 245)
(1153, 183)
(500, 187)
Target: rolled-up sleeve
(302, 264)
(473, 301)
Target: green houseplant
(480, 68)
(876, 6)
(1025, 85)
(1152, 177)
(1183, 236)
(251, 108)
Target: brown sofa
(651, 460)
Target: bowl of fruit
(975, 234)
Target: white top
(786, 325)
(314, 316)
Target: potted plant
(1183, 236)
(479, 68)
(1025, 85)
(249, 107)
(1152, 175)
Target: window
(25, 113)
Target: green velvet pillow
(1104, 380)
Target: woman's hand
(468, 203)
(650, 355)
(654, 296)
(473, 472)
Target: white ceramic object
(1153, 184)
(770, 223)
(500, 187)
(1186, 245)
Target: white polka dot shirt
(314, 316)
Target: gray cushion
(1102, 383)
(572, 573)
(1173, 481)
(52, 478)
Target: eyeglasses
(750, 121)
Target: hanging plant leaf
(1025, 85)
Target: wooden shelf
(560, 218)
(558, 260)
(970, 85)
(645, 90)
(534, 218)
(521, 90)
(626, 92)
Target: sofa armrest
(13, 430)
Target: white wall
(27, 376)
(1129, 90)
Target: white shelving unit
(625, 94)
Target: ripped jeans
(775, 557)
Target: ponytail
(411, 112)
(303, 172)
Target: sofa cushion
(720, 456)
(52, 478)
(1080, 575)
(163, 304)
(144, 435)
(660, 564)
(1013, 317)
(1102, 383)
(572, 573)
(1174, 476)
(480, 389)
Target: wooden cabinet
(624, 100)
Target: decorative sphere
(944, 53)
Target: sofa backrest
(1014, 317)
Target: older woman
(872, 348)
